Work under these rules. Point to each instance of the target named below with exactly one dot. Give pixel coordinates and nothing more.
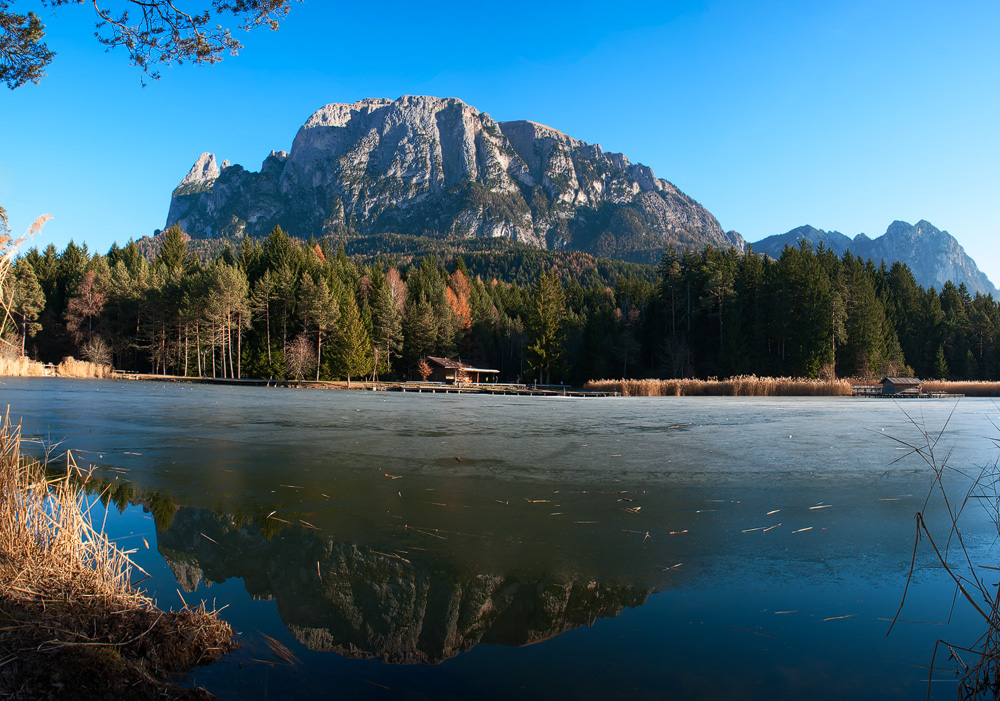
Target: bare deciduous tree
(97, 351)
(85, 307)
(299, 356)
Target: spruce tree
(353, 357)
(173, 253)
(941, 365)
(387, 324)
(546, 335)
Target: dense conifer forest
(278, 307)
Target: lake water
(444, 546)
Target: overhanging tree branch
(23, 56)
(154, 32)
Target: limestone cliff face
(934, 256)
(425, 165)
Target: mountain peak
(420, 164)
(201, 176)
(933, 255)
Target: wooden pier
(368, 385)
(491, 388)
(877, 392)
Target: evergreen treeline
(812, 314)
(281, 308)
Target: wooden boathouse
(899, 388)
(900, 385)
(455, 372)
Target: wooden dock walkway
(904, 395)
(367, 385)
(502, 389)
(875, 392)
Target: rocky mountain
(933, 255)
(437, 166)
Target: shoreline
(377, 386)
(743, 386)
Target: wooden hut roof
(901, 380)
(450, 364)
(446, 363)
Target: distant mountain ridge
(934, 256)
(437, 166)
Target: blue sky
(843, 115)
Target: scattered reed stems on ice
(70, 615)
(741, 386)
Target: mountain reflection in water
(405, 607)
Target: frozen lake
(446, 546)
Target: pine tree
(228, 310)
(546, 335)
(26, 300)
(173, 253)
(419, 330)
(319, 311)
(941, 365)
(353, 357)
(387, 324)
(260, 305)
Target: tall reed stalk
(977, 666)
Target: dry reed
(71, 367)
(19, 366)
(969, 389)
(47, 542)
(741, 386)
(71, 615)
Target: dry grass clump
(741, 386)
(69, 616)
(71, 367)
(19, 366)
(969, 389)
